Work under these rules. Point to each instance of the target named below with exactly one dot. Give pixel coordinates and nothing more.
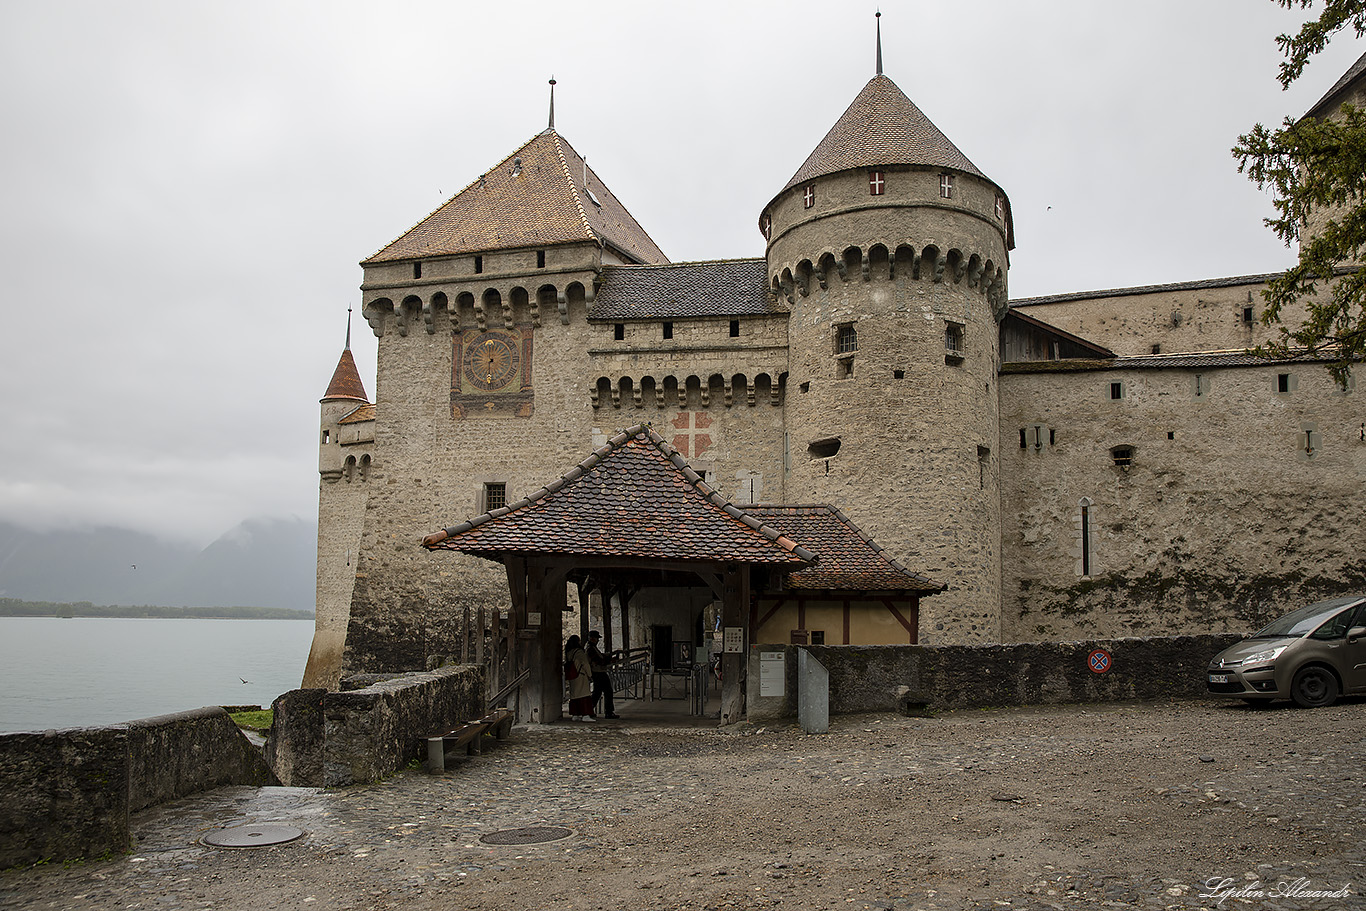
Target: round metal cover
(257, 836)
(529, 835)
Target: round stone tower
(890, 248)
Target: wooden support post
(734, 666)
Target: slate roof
(636, 497)
(346, 382)
(1354, 72)
(546, 203)
(1148, 289)
(849, 559)
(734, 287)
(881, 127)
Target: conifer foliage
(1316, 168)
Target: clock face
(491, 361)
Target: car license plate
(1218, 678)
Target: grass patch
(254, 721)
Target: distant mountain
(260, 563)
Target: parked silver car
(1311, 655)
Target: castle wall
(1223, 519)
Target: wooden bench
(469, 735)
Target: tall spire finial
(348, 328)
(878, 17)
(552, 104)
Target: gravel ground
(1135, 805)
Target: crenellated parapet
(689, 391)
(927, 262)
(452, 307)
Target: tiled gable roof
(882, 127)
(360, 415)
(636, 497)
(849, 559)
(735, 287)
(346, 382)
(546, 202)
(1231, 358)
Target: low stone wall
(881, 678)
(68, 793)
(360, 735)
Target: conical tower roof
(882, 127)
(346, 384)
(536, 197)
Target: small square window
(495, 495)
(1116, 390)
(805, 387)
(877, 183)
(668, 330)
(1123, 456)
(1247, 316)
(846, 339)
(1157, 349)
(618, 331)
(327, 435)
(735, 328)
(1282, 382)
(818, 637)
(946, 186)
(809, 196)
(898, 374)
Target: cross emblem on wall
(694, 434)
(876, 183)
(809, 196)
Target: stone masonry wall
(884, 678)
(375, 731)
(68, 793)
(1223, 520)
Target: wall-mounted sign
(533, 618)
(772, 673)
(1099, 661)
(734, 640)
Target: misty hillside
(260, 563)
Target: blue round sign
(1099, 661)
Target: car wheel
(1313, 687)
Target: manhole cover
(251, 836)
(528, 836)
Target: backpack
(571, 670)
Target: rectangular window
(1247, 315)
(540, 259)
(953, 338)
(1000, 206)
(877, 183)
(1123, 456)
(946, 186)
(1116, 390)
(495, 495)
(1282, 382)
(668, 330)
(417, 270)
(478, 264)
(846, 339)
(327, 434)
(619, 331)
(735, 328)
(818, 637)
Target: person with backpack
(579, 675)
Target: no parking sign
(1099, 661)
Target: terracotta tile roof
(360, 415)
(849, 559)
(346, 382)
(546, 203)
(882, 127)
(1234, 358)
(636, 497)
(734, 287)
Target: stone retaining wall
(881, 678)
(68, 793)
(362, 735)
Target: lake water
(57, 673)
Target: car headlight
(1266, 656)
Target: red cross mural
(693, 437)
(876, 183)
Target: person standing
(578, 673)
(602, 681)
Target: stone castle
(1087, 465)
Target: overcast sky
(188, 187)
